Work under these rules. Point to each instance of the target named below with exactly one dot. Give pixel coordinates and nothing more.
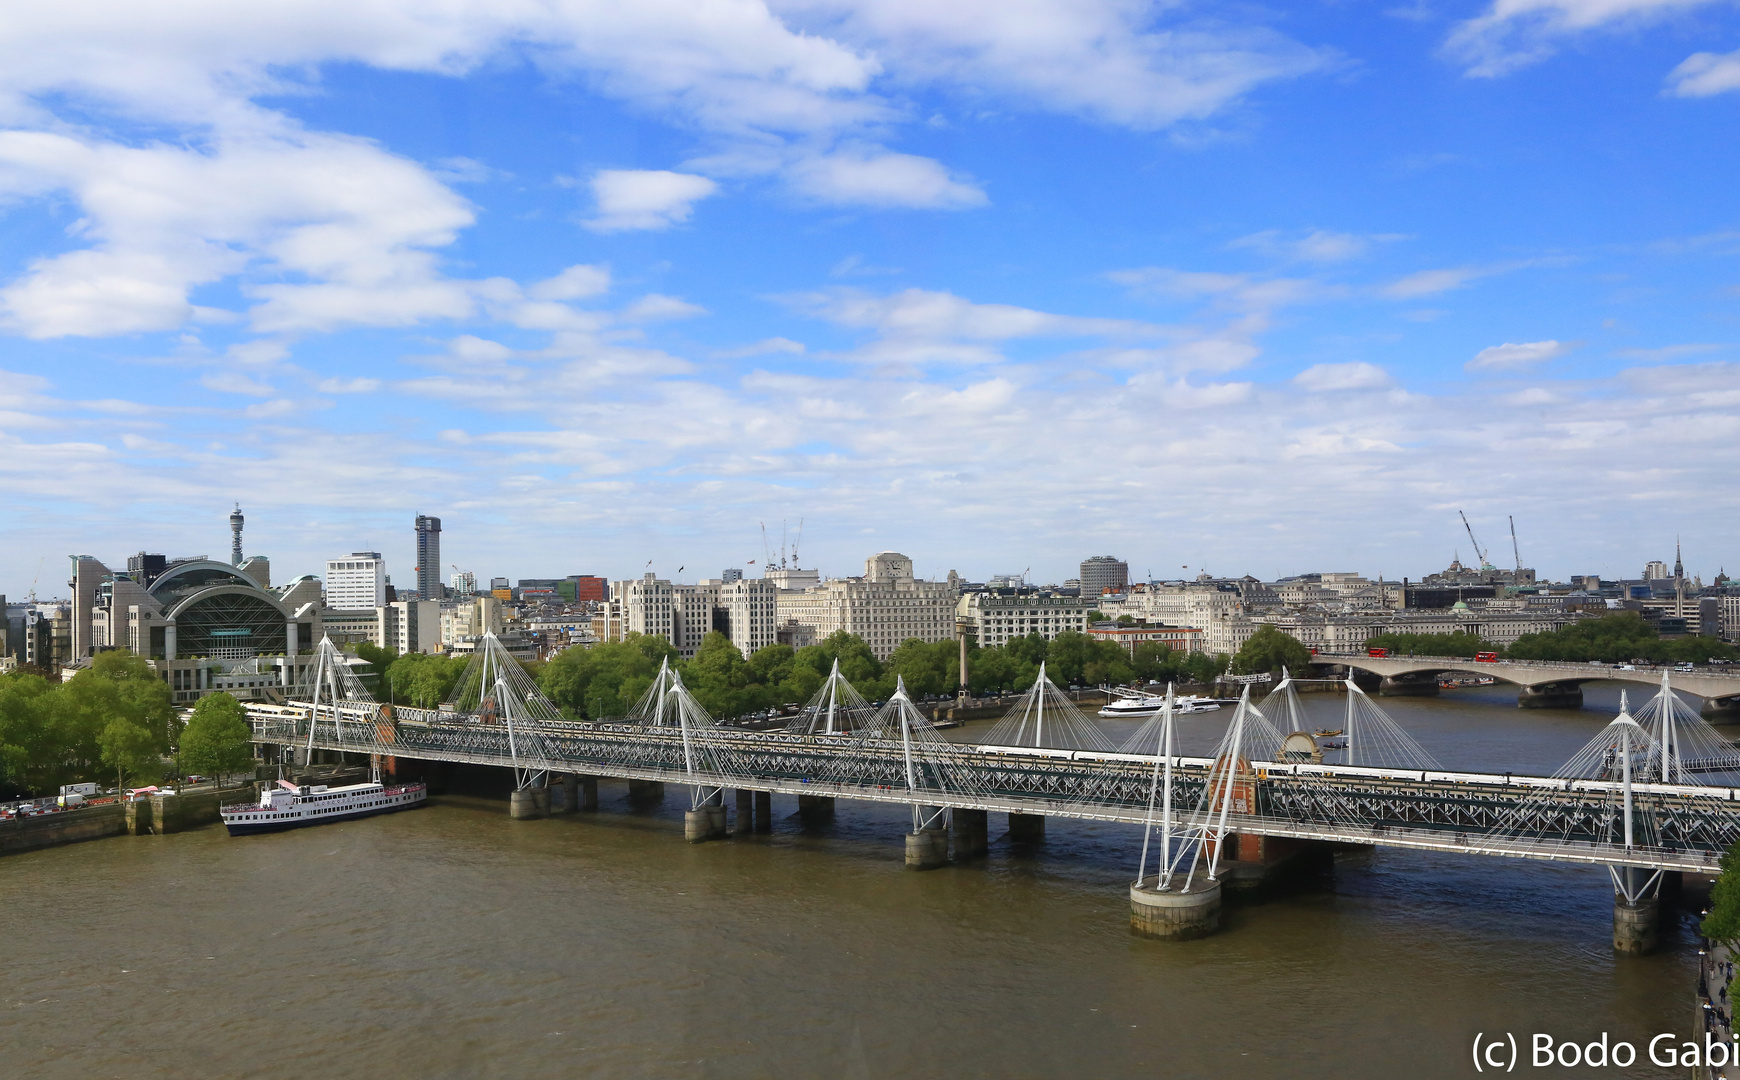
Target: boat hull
(248, 828)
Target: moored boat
(288, 806)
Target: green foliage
(1617, 637)
(380, 661)
(1460, 644)
(1269, 650)
(115, 714)
(605, 680)
(1126, 620)
(1155, 661)
(423, 680)
(218, 739)
(1723, 922)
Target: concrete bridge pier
(1559, 695)
(745, 812)
(972, 833)
(570, 793)
(764, 811)
(1027, 828)
(1722, 710)
(927, 849)
(1636, 925)
(528, 803)
(1175, 914)
(588, 793)
(646, 790)
(1410, 684)
(707, 822)
(816, 809)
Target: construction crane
(35, 579)
(766, 550)
(1479, 552)
(1514, 550)
(794, 544)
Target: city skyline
(1260, 291)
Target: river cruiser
(1141, 706)
(288, 806)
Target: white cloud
(871, 176)
(1242, 292)
(1324, 378)
(922, 313)
(1515, 33)
(234, 382)
(764, 347)
(1121, 63)
(1511, 357)
(655, 307)
(645, 198)
(1703, 74)
(348, 386)
(1318, 245)
(574, 283)
(1431, 282)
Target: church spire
(1679, 567)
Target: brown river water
(454, 942)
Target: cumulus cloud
(348, 386)
(234, 382)
(1323, 378)
(655, 307)
(764, 347)
(1703, 74)
(1317, 246)
(645, 198)
(1244, 292)
(1512, 34)
(1512, 357)
(871, 176)
(575, 283)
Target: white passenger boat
(1141, 706)
(290, 807)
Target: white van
(70, 800)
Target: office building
(884, 607)
(428, 570)
(993, 616)
(1102, 574)
(357, 581)
(742, 610)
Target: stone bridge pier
(1553, 695)
(1410, 684)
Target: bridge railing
(1557, 665)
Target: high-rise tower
(236, 536)
(429, 558)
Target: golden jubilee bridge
(1654, 795)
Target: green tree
(128, 708)
(929, 667)
(218, 740)
(423, 680)
(379, 660)
(1723, 922)
(1617, 637)
(608, 678)
(1269, 650)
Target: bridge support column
(646, 790)
(1636, 925)
(927, 849)
(1027, 828)
(570, 793)
(523, 804)
(1551, 696)
(972, 833)
(707, 822)
(1175, 914)
(1722, 710)
(764, 811)
(816, 809)
(745, 812)
(1417, 684)
(588, 793)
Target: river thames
(453, 942)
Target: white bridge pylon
(497, 690)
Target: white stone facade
(995, 617)
(884, 607)
(356, 582)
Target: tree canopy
(607, 679)
(1459, 644)
(1269, 650)
(217, 740)
(113, 719)
(1617, 637)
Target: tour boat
(1141, 706)
(288, 806)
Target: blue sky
(1231, 287)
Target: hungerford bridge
(1655, 794)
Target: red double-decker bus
(1379, 653)
(1486, 658)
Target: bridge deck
(1676, 828)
